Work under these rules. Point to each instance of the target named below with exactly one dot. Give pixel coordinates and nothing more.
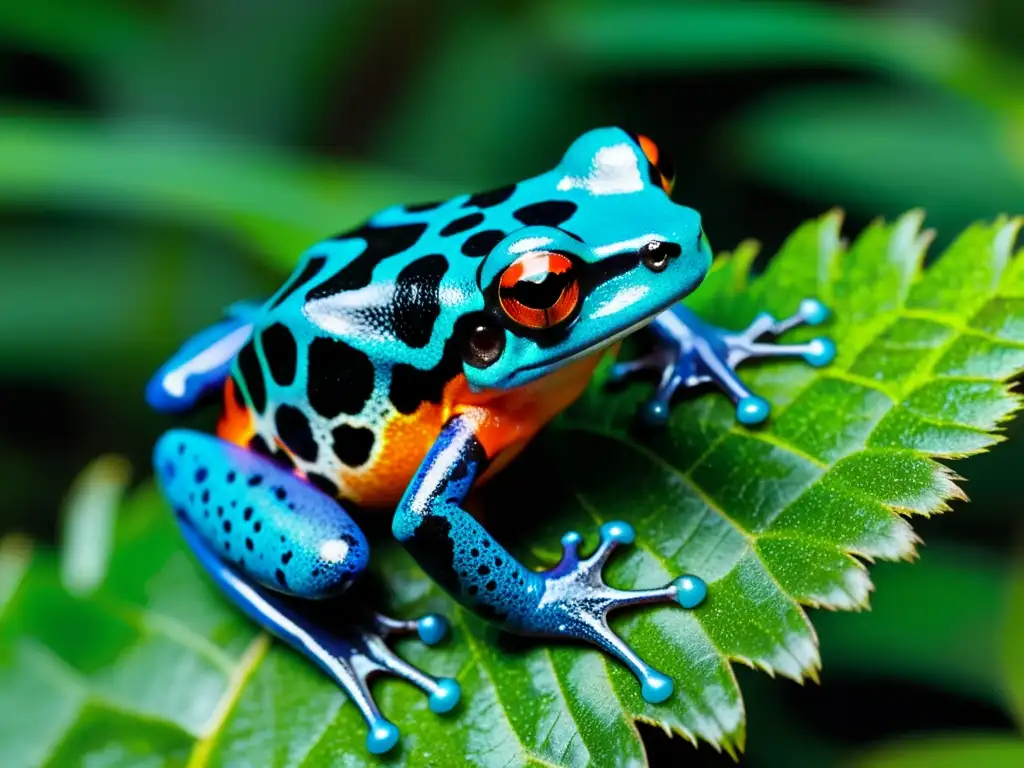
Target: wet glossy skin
(358, 362)
(404, 362)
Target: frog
(407, 361)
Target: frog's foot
(576, 603)
(282, 551)
(354, 654)
(351, 651)
(691, 353)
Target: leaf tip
(743, 261)
(1006, 236)
(908, 235)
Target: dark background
(159, 160)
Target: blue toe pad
(383, 736)
(446, 697)
(656, 688)
(692, 591)
(813, 312)
(432, 628)
(821, 352)
(752, 410)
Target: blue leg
(267, 538)
(690, 353)
(202, 364)
(571, 600)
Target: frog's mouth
(585, 351)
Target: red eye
(539, 290)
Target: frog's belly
(400, 444)
(504, 422)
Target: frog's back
(356, 363)
(356, 404)
(352, 368)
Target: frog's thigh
(275, 528)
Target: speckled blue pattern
(283, 532)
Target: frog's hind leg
(691, 352)
(268, 538)
(350, 654)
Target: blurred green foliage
(160, 160)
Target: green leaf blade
(850, 448)
(963, 278)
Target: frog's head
(603, 251)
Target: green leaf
(89, 522)
(278, 206)
(776, 519)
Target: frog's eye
(539, 289)
(661, 163)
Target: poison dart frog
(405, 362)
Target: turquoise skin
(597, 227)
(499, 291)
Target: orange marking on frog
(399, 450)
(504, 422)
(652, 153)
(236, 424)
(650, 149)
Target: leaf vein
(242, 672)
(483, 667)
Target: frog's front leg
(570, 600)
(690, 353)
(202, 364)
(279, 548)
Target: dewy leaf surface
(154, 662)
